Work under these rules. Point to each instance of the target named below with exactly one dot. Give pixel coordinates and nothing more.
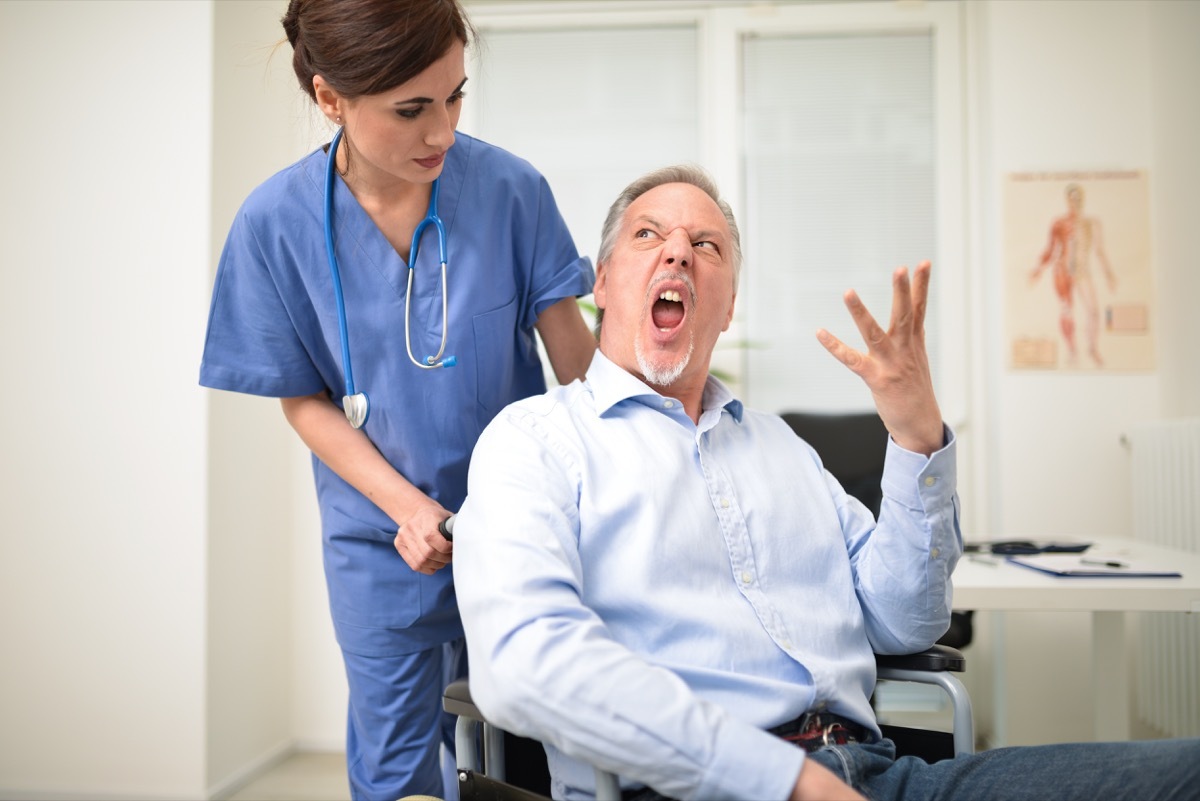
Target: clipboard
(1078, 566)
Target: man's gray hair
(678, 174)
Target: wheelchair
(493, 765)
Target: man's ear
(600, 288)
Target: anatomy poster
(1078, 283)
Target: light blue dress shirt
(649, 595)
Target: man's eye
(645, 233)
(705, 244)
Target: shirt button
(668, 404)
(934, 553)
(930, 481)
(746, 577)
(724, 503)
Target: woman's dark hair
(364, 47)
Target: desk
(1004, 587)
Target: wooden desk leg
(1110, 677)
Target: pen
(1102, 563)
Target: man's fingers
(873, 335)
(902, 305)
(920, 295)
(841, 351)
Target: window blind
(839, 190)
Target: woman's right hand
(349, 453)
(420, 544)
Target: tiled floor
(304, 776)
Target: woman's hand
(420, 543)
(349, 453)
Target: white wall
(1066, 86)
(275, 678)
(164, 620)
(106, 264)
(1174, 29)
(262, 507)
(152, 646)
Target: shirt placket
(723, 496)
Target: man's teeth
(671, 296)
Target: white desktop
(990, 583)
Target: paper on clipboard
(1077, 566)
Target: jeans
(1140, 770)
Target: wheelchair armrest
(934, 666)
(938, 657)
(456, 700)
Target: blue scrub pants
(396, 725)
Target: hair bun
(291, 21)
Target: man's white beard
(662, 376)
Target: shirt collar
(611, 385)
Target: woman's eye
(455, 98)
(409, 113)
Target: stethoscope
(355, 404)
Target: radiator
(1166, 511)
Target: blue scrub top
(273, 330)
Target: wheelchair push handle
(446, 528)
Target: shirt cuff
(918, 481)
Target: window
(839, 173)
(591, 108)
(835, 131)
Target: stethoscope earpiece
(355, 404)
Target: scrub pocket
(495, 364)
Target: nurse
(390, 74)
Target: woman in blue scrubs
(390, 73)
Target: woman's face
(401, 134)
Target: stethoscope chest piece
(357, 409)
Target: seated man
(660, 582)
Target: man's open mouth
(668, 311)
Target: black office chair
(493, 765)
(852, 447)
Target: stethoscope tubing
(357, 405)
(431, 218)
(333, 264)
